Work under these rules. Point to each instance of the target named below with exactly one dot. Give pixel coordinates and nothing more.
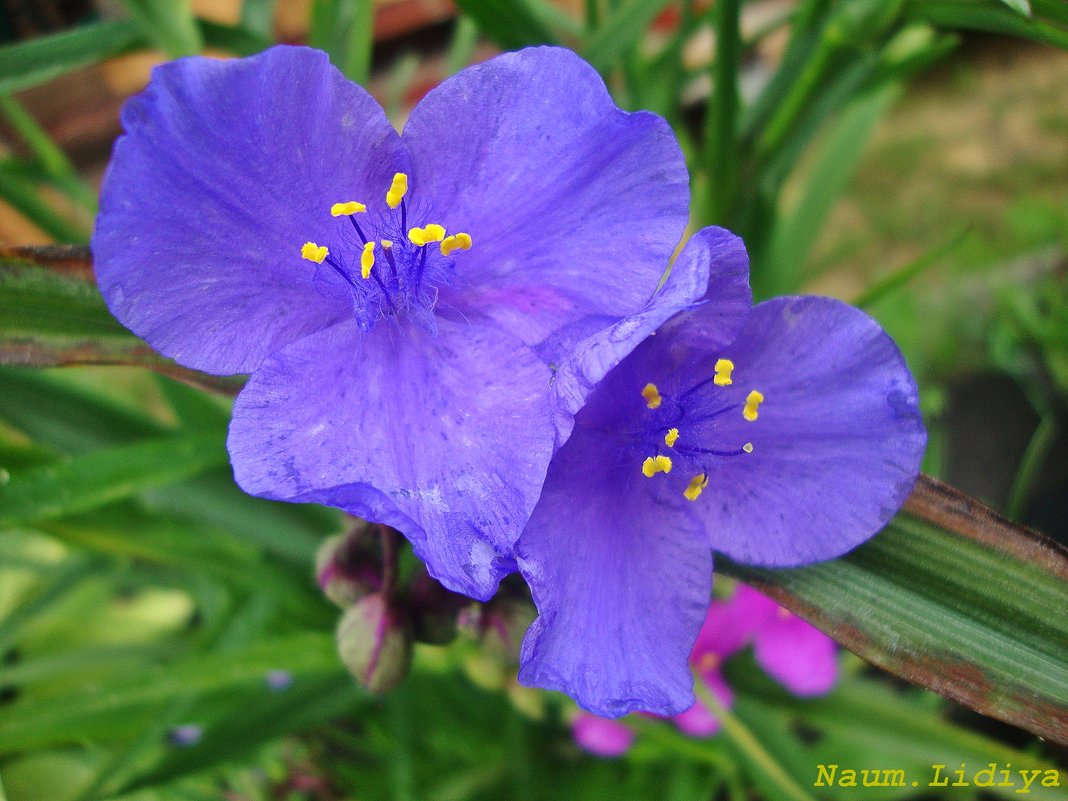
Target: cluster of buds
(383, 617)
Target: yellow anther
(352, 207)
(752, 401)
(367, 259)
(748, 447)
(387, 243)
(433, 233)
(708, 662)
(693, 489)
(723, 372)
(656, 464)
(652, 396)
(313, 252)
(417, 236)
(397, 190)
(671, 437)
(455, 242)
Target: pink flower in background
(799, 656)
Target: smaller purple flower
(186, 735)
(600, 736)
(780, 436)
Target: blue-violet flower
(779, 436)
(401, 300)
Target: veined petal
(444, 437)
(621, 582)
(713, 267)
(838, 442)
(574, 206)
(225, 170)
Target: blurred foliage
(161, 634)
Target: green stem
(1037, 449)
(748, 744)
(721, 130)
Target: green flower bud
(374, 643)
(348, 567)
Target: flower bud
(504, 622)
(348, 567)
(433, 610)
(374, 643)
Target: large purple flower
(401, 300)
(779, 437)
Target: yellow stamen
(434, 233)
(652, 396)
(748, 447)
(313, 252)
(397, 190)
(656, 464)
(671, 437)
(723, 372)
(367, 259)
(351, 207)
(752, 401)
(708, 662)
(693, 489)
(417, 237)
(459, 241)
(387, 243)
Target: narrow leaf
(33, 62)
(168, 24)
(938, 598)
(511, 24)
(104, 476)
(621, 32)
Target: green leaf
(21, 190)
(621, 32)
(992, 19)
(721, 120)
(345, 30)
(33, 62)
(104, 476)
(937, 598)
(1021, 7)
(511, 24)
(237, 40)
(168, 24)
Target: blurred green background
(909, 157)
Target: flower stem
(748, 744)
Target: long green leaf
(168, 24)
(951, 597)
(509, 23)
(621, 32)
(993, 19)
(104, 476)
(33, 62)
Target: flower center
(390, 269)
(665, 430)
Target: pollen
(397, 190)
(367, 259)
(656, 464)
(748, 447)
(752, 401)
(724, 367)
(671, 437)
(351, 207)
(652, 396)
(696, 485)
(459, 241)
(313, 252)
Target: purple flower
(401, 300)
(779, 437)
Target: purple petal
(837, 444)
(226, 169)
(714, 266)
(727, 629)
(606, 738)
(444, 437)
(621, 582)
(574, 206)
(698, 721)
(796, 654)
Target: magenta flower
(779, 437)
(401, 300)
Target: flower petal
(226, 169)
(621, 583)
(799, 656)
(573, 205)
(446, 437)
(698, 721)
(838, 440)
(712, 266)
(606, 738)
